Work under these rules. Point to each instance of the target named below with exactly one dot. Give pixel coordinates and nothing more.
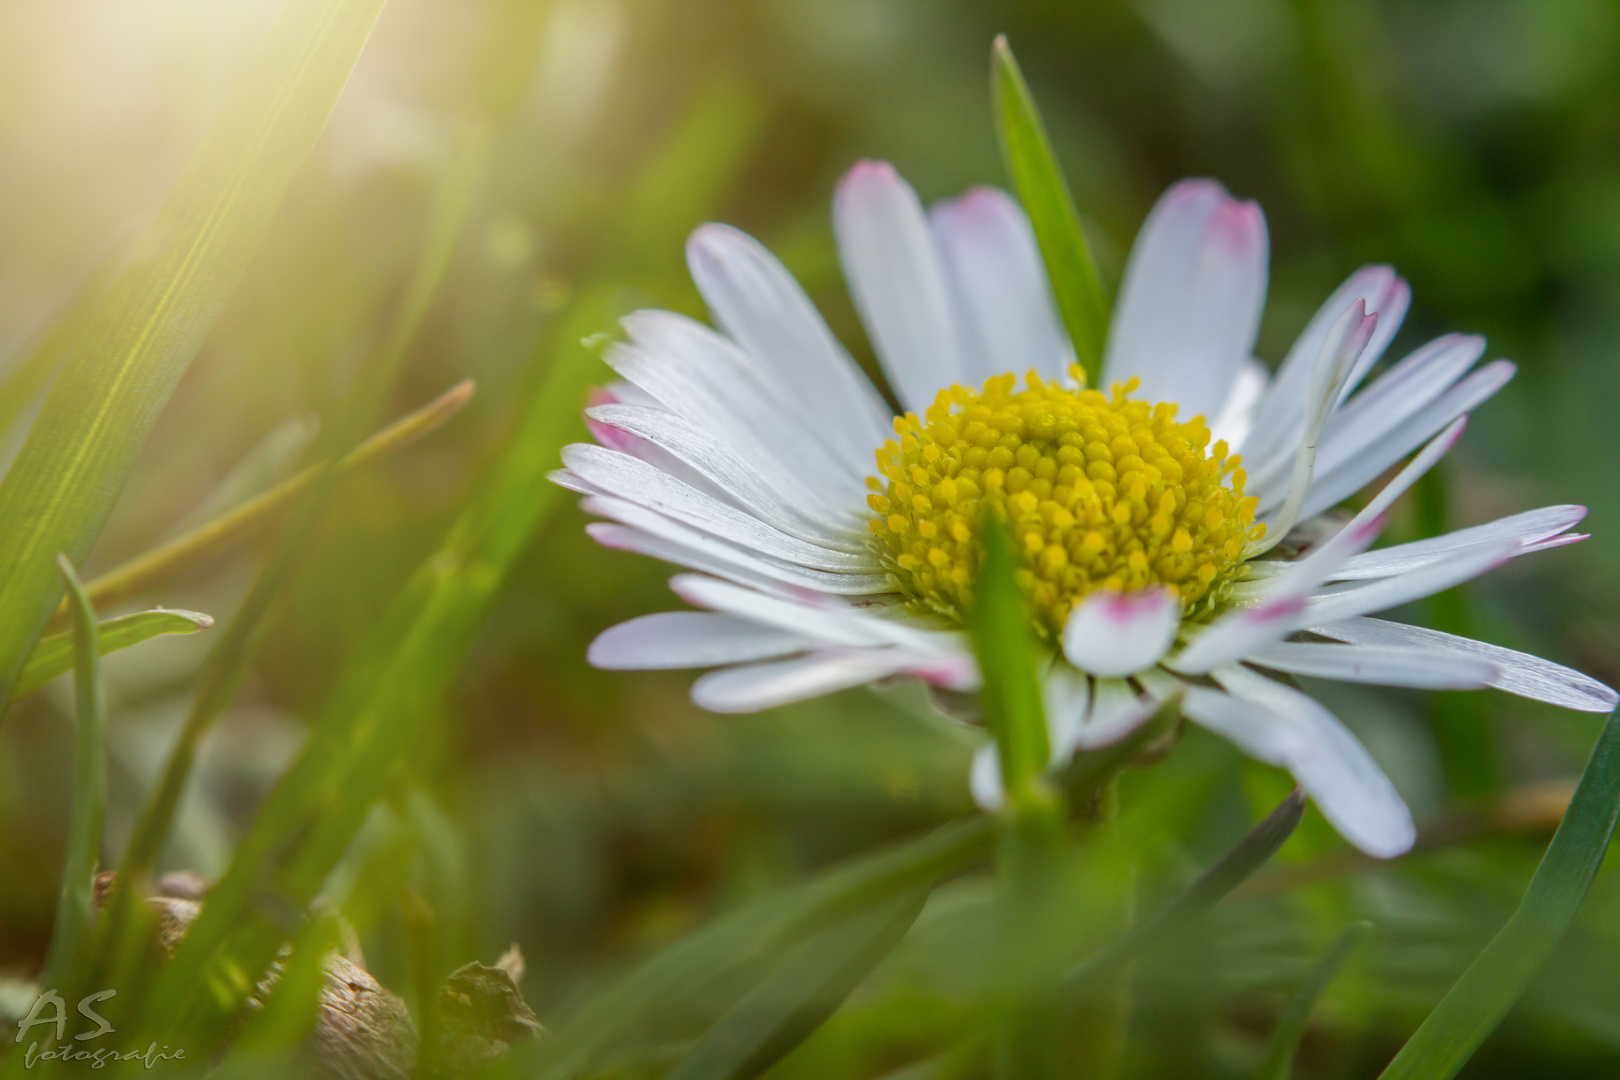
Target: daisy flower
(1171, 523)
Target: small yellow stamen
(1100, 492)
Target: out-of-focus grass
(594, 818)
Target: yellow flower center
(1099, 493)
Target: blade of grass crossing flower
(75, 901)
(386, 695)
(1291, 1026)
(1036, 175)
(1208, 889)
(55, 655)
(1031, 855)
(143, 335)
(797, 997)
(254, 515)
(1484, 993)
(999, 625)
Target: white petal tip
(1115, 634)
(985, 779)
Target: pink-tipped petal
(998, 281)
(1190, 304)
(1112, 634)
(1281, 416)
(896, 278)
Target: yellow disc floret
(1099, 492)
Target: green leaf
(1045, 194)
(1291, 1027)
(1208, 889)
(76, 900)
(1479, 999)
(799, 994)
(1000, 627)
(143, 335)
(54, 655)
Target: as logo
(59, 1015)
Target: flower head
(837, 544)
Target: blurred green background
(592, 816)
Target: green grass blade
(1081, 298)
(380, 706)
(74, 904)
(142, 337)
(55, 655)
(614, 1019)
(228, 661)
(252, 516)
(1208, 889)
(1484, 993)
(797, 997)
(38, 357)
(1291, 1027)
(999, 625)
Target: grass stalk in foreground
(1485, 992)
(258, 513)
(76, 900)
(144, 332)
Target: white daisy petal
(1066, 695)
(689, 639)
(754, 687)
(693, 371)
(1392, 398)
(994, 267)
(620, 392)
(1424, 669)
(1363, 598)
(625, 538)
(1517, 673)
(1190, 303)
(763, 309)
(1348, 465)
(985, 778)
(894, 274)
(1297, 734)
(1340, 351)
(1235, 419)
(822, 617)
(1238, 633)
(1113, 633)
(1534, 529)
(689, 547)
(1282, 415)
(1280, 608)
(769, 494)
(625, 477)
(1346, 783)
(1117, 711)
